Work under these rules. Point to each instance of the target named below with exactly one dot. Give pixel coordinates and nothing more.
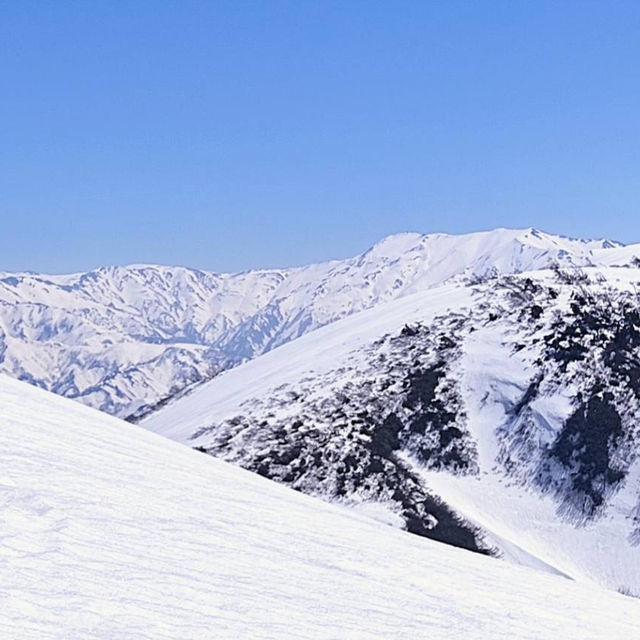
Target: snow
(618, 256)
(518, 518)
(309, 355)
(109, 531)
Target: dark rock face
(348, 444)
(590, 350)
(595, 347)
(446, 446)
(585, 448)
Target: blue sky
(233, 135)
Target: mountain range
(478, 391)
(125, 339)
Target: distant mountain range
(124, 339)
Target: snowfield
(109, 531)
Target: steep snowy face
(517, 393)
(123, 339)
(112, 532)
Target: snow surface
(620, 256)
(109, 531)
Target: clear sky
(233, 135)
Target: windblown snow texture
(109, 531)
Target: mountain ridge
(511, 400)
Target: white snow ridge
(109, 531)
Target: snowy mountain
(109, 531)
(123, 339)
(500, 415)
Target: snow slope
(618, 256)
(510, 405)
(121, 339)
(109, 531)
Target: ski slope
(109, 531)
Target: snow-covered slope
(621, 256)
(121, 339)
(109, 531)
(501, 416)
